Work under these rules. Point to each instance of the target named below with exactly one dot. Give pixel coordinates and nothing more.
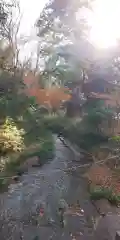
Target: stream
(45, 187)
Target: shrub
(11, 139)
(3, 162)
(44, 150)
(83, 137)
(114, 199)
(88, 133)
(76, 132)
(98, 192)
(11, 164)
(3, 183)
(56, 124)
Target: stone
(29, 163)
(15, 178)
(117, 235)
(20, 172)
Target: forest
(75, 94)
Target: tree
(3, 17)
(57, 32)
(10, 39)
(63, 41)
(71, 59)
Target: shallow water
(20, 206)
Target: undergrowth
(98, 192)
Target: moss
(98, 192)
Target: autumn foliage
(104, 177)
(49, 97)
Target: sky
(31, 11)
(105, 23)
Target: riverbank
(34, 155)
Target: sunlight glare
(105, 30)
